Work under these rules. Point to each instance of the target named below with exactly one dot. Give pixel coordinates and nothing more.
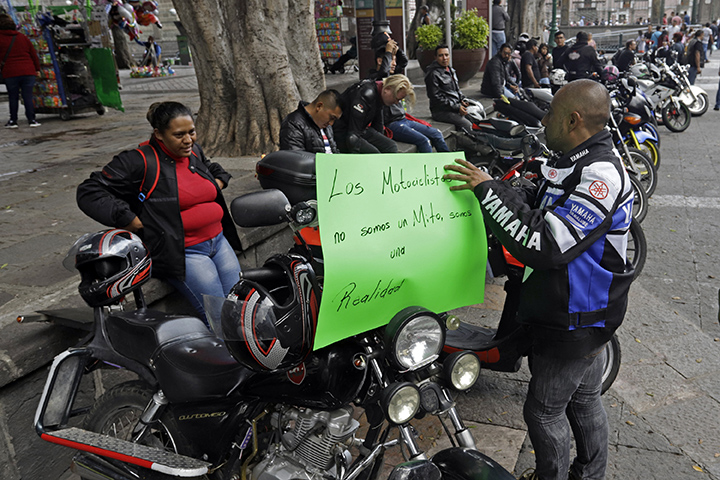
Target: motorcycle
(664, 93)
(695, 97)
(256, 401)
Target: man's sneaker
(11, 124)
(529, 474)
(35, 123)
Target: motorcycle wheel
(676, 119)
(644, 170)
(649, 148)
(699, 106)
(119, 409)
(612, 363)
(637, 247)
(640, 202)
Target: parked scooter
(260, 403)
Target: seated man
(496, 81)
(360, 129)
(309, 128)
(447, 103)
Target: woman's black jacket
(111, 197)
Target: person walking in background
(183, 219)
(695, 54)
(717, 97)
(19, 65)
(425, 15)
(499, 18)
(529, 66)
(545, 62)
(559, 50)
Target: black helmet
(273, 329)
(111, 263)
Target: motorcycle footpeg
(152, 458)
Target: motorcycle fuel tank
(327, 379)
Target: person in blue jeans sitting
(405, 129)
(182, 219)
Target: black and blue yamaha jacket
(571, 235)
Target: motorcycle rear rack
(149, 457)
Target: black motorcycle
(258, 403)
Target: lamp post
(380, 22)
(553, 25)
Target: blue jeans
(15, 86)
(498, 38)
(717, 97)
(692, 75)
(211, 268)
(564, 395)
(418, 134)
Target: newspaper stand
(66, 86)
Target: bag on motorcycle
(290, 171)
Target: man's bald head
(590, 99)
(578, 111)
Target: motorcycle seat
(189, 361)
(198, 369)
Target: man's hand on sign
(466, 172)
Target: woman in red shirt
(182, 219)
(20, 69)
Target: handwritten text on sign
(394, 235)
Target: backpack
(152, 170)
(615, 57)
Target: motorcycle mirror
(530, 146)
(260, 209)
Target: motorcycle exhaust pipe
(93, 467)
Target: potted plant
(470, 35)
(428, 37)
(470, 41)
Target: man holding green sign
(571, 234)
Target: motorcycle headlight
(401, 402)
(462, 369)
(415, 337)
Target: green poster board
(394, 235)
(102, 67)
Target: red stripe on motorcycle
(98, 451)
(485, 356)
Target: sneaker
(11, 124)
(716, 108)
(529, 474)
(35, 123)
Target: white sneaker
(35, 123)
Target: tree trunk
(254, 60)
(122, 51)
(525, 16)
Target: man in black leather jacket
(495, 81)
(309, 128)
(581, 59)
(447, 102)
(360, 129)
